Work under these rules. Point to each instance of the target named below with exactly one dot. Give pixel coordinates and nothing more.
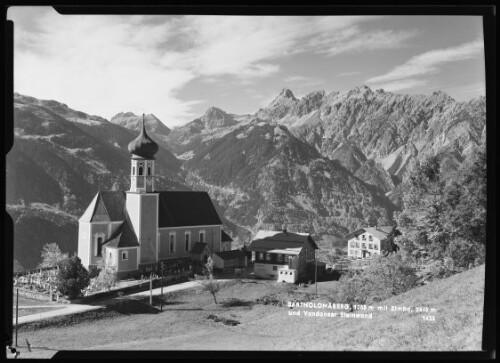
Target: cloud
(430, 62)
(354, 40)
(402, 84)
(345, 74)
(463, 93)
(303, 81)
(107, 64)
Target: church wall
(97, 228)
(84, 243)
(133, 206)
(212, 238)
(149, 227)
(131, 263)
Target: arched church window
(149, 170)
(140, 170)
(99, 246)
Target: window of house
(268, 257)
(187, 240)
(124, 255)
(357, 244)
(281, 272)
(275, 268)
(370, 238)
(171, 246)
(110, 255)
(375, 246)
(370, 246)
(363, 238)
(364, 245)
(202, 236)
(261, 256)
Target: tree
(52, 255)
(352, 288)
(444, 216)
(72, 277)
(388, 276)
(107, 275)
(391, 275)
(207, 282)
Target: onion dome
(143, 146)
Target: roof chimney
(283, 227)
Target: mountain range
(325, 163)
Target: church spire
(143, 147)
(143, 150)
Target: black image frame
(485, 9)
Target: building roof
(176, 209)
(182, 209)
(274, 240)
(378, 232)
(122, 236)
(199, 247)
(107, 206)
(225, 237)
(287, 251)
(143, 146)
(231, 255)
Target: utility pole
(17, 308)
(316, 271)
(151, 289)
(161, 298)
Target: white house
(282, 255)
(368, 242)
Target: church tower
(142, 200)
(143, 149)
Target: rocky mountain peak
(215, 117)
(286, 92)
(132, 121)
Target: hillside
(184, 324)
(266, 177)
(383, 132)
(61, 158)
(325, 163)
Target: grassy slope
(183, 324)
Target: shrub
(269, 299)
(388, 276)
(234, 302)
(72, 277)
(392, 275)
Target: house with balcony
(369, 242)
(282, 255)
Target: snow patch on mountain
(186, 156)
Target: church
(134, 230)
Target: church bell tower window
(140, 170)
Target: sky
(176, 67)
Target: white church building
(136, 229)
